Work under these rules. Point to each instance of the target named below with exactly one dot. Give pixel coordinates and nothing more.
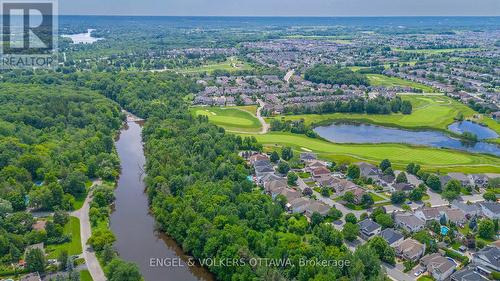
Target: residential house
(275, 187)
(257, 157)
(479, 180)
(358, 194)
(317, 207)
(321, 171)
(438, 266)
(409, 222)
(402, 186)
(368, 170)
(393, 237)
(468, 274)
(342, 185)
(490, 209)
(471, 209)
(299, 205)
(461, 177)
(410, 249)
(487, 260)
(290, 194)
(444, 179)
(269, 177)
(39, 246)
(311, 166)
(428, 214)
(307, 157)
(368, 228)
(39, 225)
(326, 181)
(456, 216)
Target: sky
(281, 7)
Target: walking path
(91, 261)
(265, 126)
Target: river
(159, 257)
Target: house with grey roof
(317, 207)
(456, 216)
(471, 209)
(307, 157)
(468, 274)
(368, 229)
(490, 209)
(299, 205)
(461, 177)
(409, 222)
(410, 249)
(393, 237)
(428, 214)
(487, 260)
(438, 266)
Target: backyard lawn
(388, 81)
(74, 247)
(85, 275)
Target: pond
(83, 38)
(481, 132)
(137, 239)
(364, 133)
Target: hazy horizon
(280, 8)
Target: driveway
(396, 274)
(265, 126)
(85, 232)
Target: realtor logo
(28, 33)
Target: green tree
(119, 270)
(283, 168)
(350, 231)
(287, 153)
(384, 220)
(434, 183)
(350, 217)
(274, 157)
(292, 178)
(5, 207)
(383, 250)
(35, 261)
(398, 197)
(101, 238)
(334, 214)
(385, 164)
(401, 178)
(486, 229)
(353, 172)
(488, 196)
(329, 235)
(367, 200)
(416, 194)
(325, 191)
(349, 197)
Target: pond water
(481, 132)
(83, 38)
(364, 133)
(137, 240)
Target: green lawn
(234, 119)
(387, 81)
(376, 198)
(426, 278)
(85, 275)
(74, 247)
(231, 64)
(429, 112)
(79, 200)
(399, 154)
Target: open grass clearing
(231, 64)
(74, 247)
(388, 81)
(234, 119)
(436, 51)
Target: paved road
(288, 75)
(85, 232)
(265, 126)
(396, 274)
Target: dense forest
(53, 139)
(378, 105)
(327, 74)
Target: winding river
(137, 240)
(365, 133)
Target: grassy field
(400, 155)
(429, 112)
(85, 275)
(387, 81)
(235, 119)
(232, 64)
(74, 247)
